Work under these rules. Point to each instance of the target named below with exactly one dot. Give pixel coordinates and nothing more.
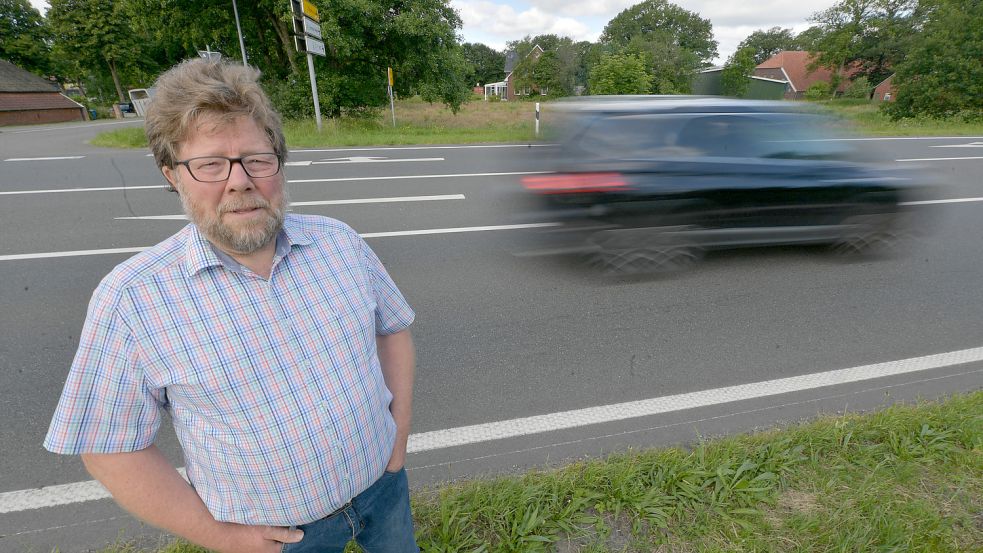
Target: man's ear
(172, 178)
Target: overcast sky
(495, 22)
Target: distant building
(506, 89)
(709, 82)
(27, 99)
(885, 92)
(792, 66)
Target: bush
(818, 91)
(859, 88)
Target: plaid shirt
(274, 386)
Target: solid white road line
(77, 253)
(42, 158)
(397, 148)
(50, 496)
(939, 158)
(343, 179)
(357, 159)
(319, 202)
(62, 190)
(949, 201)
(399, 177)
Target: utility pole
(307, 39)
(242, 45)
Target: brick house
(27, 99)
(792, 66)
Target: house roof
(15, 79)
(795, 65)
(29, 101)
(512, 58)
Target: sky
(495, 22)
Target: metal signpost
(392, 104)
(307, 39)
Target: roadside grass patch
(869, 119)
(417, 122)
(908, 478)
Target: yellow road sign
(390, 76)
(310, 10)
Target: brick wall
(34, 117)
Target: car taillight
(579, 183)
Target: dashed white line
(77, 253)
(437, 198)
(50, 496)
(55, 158)
(402, 177)
(397, 148)
(940, 158)
(64, 190)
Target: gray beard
(244, 240)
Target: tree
(486, 64)
(671, 41)
(942, 75)
(620, 74)
(683, 28)
(765, 44)
(553, 72)
(735, 77)
(24, 36)
(93, 32)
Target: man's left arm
(398, 359)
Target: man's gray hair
(199, 88)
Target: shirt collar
(202, 254)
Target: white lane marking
(341, 179)
(62, 190)
(949, 201)
(63, 494)
(77, 253)
(68, 128)
(451, 437)
(319, 202)
(876, 138)
(939, 158)
(357, 159)
(398, 177)
(42, 158)
(437, 198)
(455, 230)
(391, 148)
(969, 145)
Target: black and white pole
(392, 103)
(317, 104)
(537, 118)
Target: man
(278, 344)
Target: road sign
(309, 45)
(301, 8)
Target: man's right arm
(145, 484)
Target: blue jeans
(378, 519)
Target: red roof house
(26, 99)
(792, 66)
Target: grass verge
(870, 120)
(908, 478)
(417, 122)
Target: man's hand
(257, 539)
(398, 458)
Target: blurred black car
(649, 183)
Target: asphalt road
(499, 337)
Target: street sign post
(392, 104)
(307, 27)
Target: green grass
(908, 478)
(417, 122)
(868, 119)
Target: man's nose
(238, 178)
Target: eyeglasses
(219, 168)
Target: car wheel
(871, 234)
(640, 251)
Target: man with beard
(277, 343)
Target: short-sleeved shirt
(274, 385)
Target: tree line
(654, 47)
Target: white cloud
(494, 22)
